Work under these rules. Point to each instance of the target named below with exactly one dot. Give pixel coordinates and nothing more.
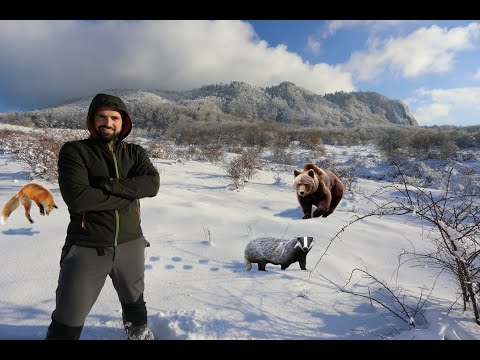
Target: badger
(278, 252)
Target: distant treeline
(204, 128)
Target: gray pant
(83, 272)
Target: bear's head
(305, 182)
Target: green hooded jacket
(97, 218)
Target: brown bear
(319, 187)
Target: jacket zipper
(117, 217)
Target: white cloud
(44, 61)
(426, 50)
(333, 26)
(465, 97)
(477, 74)
(313, 45)
(436, 105)
(426, 114)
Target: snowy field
(197, 287)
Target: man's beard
(106, 139)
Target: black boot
(138, 332)
(135, 320)
(59, 331)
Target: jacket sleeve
(143, 179)
(74, 184)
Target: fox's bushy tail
(11, 205)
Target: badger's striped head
(305, 243)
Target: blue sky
(433, 66)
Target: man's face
(107, 123)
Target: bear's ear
(311, 173)
(296, 172)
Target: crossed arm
(143, 181)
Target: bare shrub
(184, 131)
(213, 153)
(313, 155)
(282, 155)
(416, 173)
(455, 221)
(185, 154)
(280, 141)
(420, 142)
(234, 147)
(392, 143)
(38, 150)
(451, 229)
(193, 153)
(242, 168)
(476, 137)
(468, 182)
(42, 157)
(434, 143)
(318, 151)
(161, 151)
(234, 172)
(255, 135)
(11, 140)
(309, 138)
(348, 173)
(250, 159)
(448, 150)
(408, 310)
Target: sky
(430, 65)
(196, 283)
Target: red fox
(42, 197)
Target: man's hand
(103, 183)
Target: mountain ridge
(283, 103)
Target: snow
(197, 287)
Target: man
(101, 180)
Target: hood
(101, 100)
